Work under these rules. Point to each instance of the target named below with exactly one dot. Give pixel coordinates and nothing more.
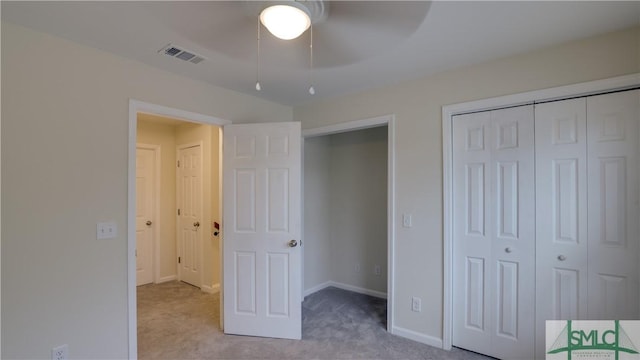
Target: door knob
(196, 224)
(562, 257)
(149, 223)
(507, 250)
(293, 243)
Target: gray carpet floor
(178, 321)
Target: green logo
(571, 340)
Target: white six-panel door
(561, 214)
(262, 222)
(494, 232)
(612, 137)
(189, 202)
(145, 213)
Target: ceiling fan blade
(356, 30)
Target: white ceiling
(362, 45)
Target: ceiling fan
(344, 32)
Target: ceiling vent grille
(182, 54)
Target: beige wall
(417, 106)
(65, 120)
(358, 181)
(317, 221)
(163, 135)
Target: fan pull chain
(312, 90)
(258, 87)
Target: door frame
(525, 98)
(155, 252)
(389, 121)
(180, 147)
(136, 107)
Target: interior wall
(153, 133)
(345, 192)
(417, 106)
(65, 122)
(317, 234)
(358, 215)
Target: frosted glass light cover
(284, 21)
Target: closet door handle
(562, 257)
(508, 250)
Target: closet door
(494, 232)
(561, 214)
(612, 136)
(472, 326)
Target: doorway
(349, 208)
(166, 268)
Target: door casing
(532, 97)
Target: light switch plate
(406, 220)
(107, 230)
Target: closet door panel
(561, 214)
(513, 246)
(494, 232)
(472, 245)
(612, 123)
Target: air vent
(182, 54)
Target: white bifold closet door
(586, 209)
(494, 246)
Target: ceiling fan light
(285, 21)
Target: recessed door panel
(475, 199)
(277, 284)
(565, 200)
(507, 305)
(277, 200)
(474, 290)
(245, 200)
(245, 284)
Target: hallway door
(189, 202)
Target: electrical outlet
(357, 267)
(377, 270)
(60, 352)
(416, 304)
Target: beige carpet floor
(178, 321)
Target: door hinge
(178, 211)
(179, 260)
(178, 163)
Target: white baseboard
(342, 286)
(167, 279)
(317, 288)
(215, 288)
(416, 336)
